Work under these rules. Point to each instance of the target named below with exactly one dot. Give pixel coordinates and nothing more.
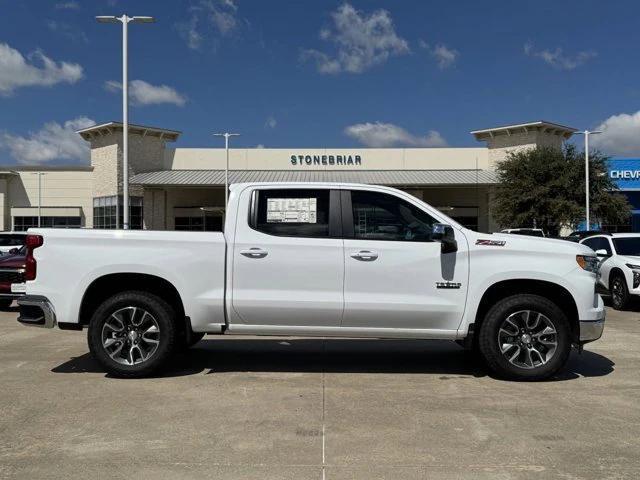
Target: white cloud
(219, 15)
(52, 142)
(68, 31)
(557, 58)
(361, 41)
(445, 56)
(620, 135)
(16, 71)
(260, 145)
(380, 134)
(68, 5)
(189, 32)
(143, 93)
(271, 122)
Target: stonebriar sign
(329, 160)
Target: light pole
(39, 174)
(124, 19)
(226, 136)
(586, 134)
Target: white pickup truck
(321, 260)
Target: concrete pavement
(262, 408)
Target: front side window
(292, 213)
(627, 246)
(380, 216)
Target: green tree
(544, 187)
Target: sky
(322, 73)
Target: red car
(12, 265)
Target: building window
(105, 211)
(201, 223)
(21, 224)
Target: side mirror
(13, 251)
(601, 252)
(444, 234)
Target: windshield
(627, 246)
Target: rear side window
(292, 213)
(379, 216)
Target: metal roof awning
(403, 178)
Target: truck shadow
(433, 357)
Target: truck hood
(631, 259)
(530, 243)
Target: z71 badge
(491, 243)
(448, 285)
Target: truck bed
(70, 260)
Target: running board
(345, 332)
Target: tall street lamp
(586, 134)
(226, 136)
(124, 19)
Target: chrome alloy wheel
(527, 339)
(130, 336)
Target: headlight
(588, 263)
(632, 266)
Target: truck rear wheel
(132, 334)
(525, 337)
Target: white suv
(620, 265)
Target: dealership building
(183, 188)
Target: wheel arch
(550, 290)
(110, 284)
(613, 272)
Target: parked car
(578, 235)
(620, 265)
(533, 232)
(316, 259)
(12, 267)
(11, 240)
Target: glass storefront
(105, 210)
(625, 172)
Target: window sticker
(292, 210)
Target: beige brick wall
(146, 153)
(501, 145)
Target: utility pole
(586, 134)
(226, 136)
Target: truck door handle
(254, 252)
(365, 255)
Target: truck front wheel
(132, 334)
(525, 337)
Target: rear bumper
(11, 295)
(36, 311)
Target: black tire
(619, 291)
(513, 307)
(163, 316)
(5, 303)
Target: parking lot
(309, 409)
